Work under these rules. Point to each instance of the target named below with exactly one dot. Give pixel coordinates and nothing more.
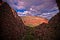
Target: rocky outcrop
(12, 27)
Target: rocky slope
(12, 27)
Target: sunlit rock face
(33, 21)
(41, 8)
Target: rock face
(33, 21)
(10, 23)
(12, 27)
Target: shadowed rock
(12, 27)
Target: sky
(43, 8)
